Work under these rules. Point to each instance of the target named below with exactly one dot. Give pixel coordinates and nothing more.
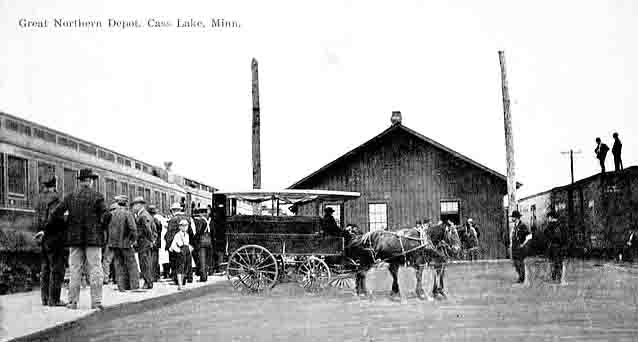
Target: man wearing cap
(121, 238)
(51, 235)
(173, 229)
(145, 240)
(157, 228)
(521, 236)
(85, 237)
(555, 235)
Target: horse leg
(420, 293)
(438, 289)
(394, 271)
(361, 283)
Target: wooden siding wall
(412, 177)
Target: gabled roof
(423, 138)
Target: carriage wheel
(343, 281)
(313, 275)
(252, 267)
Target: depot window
(378, 216)
(450, 211)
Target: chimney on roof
(396, 117)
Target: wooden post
(509, 147)
(256, 128)
(256, 152)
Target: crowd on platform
(120, 242)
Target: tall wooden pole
(256, 128)
(256, 135)
(509, 146)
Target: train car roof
(291, 196)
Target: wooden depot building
(404, 176)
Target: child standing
(181, 245)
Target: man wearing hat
(145, 240)
(157, 229)
(555, 235)
(121, 238)
(330, 226)
(85, 237)
(51, 235)
(173, 229)
(521, 236)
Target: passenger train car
(599, 211)
(30, 154)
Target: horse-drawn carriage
(265, 249)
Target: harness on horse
(424, 241)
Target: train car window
(96, 184)
(17, 177)
(172, 200)
(70, 181)
(2, 179)
(140, 191)
(131, 191)
(124, 189)
(106, 156)
(156, 200)
(44, 135)
(120, 160)
(164, 206)
(127, 163)
(145, 168)
(67, 142)
(147, 195)
(138, 166)
(88, 149)
(110, 189)
(46, 172)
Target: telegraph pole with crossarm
(571, 160)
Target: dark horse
(406, 247)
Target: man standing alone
(601, 153)
(52, 234)
(520, 238)
(556, 240)
(145, 240)
(85, 237)
(616, 150)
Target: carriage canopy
(290, 196)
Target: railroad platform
(22, 316)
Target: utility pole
(509, 147)
(571, 160)
(256, 153)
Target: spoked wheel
(343, 281)
(313, 275)
(252, 267)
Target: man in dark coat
(145, 240)
(601, 153)
(52, 238)
(85, 237)
(520, 238)
(556, 239)
(121, 238)
(329, 224)
(616, 151)
(632, 244)
(202, 243)
(157, 225)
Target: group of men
(98, 237)
(616, 150)
(553, 244)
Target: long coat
(53, 226)
(556, 238)
(122, 229)
(86, 208)
(203, 239)
(145, 229)
(520, 233)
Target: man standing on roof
(601, 153)
(616, 150)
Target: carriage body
(266, 249)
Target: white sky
(330, 75)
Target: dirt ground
(598, 304)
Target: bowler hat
(552, 213)
(121, 198)
(152, 209)
(87, 173)
(516, 214)
(138, 199)
(329, 210)
(176, 206)
(51, 183)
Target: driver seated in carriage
(329, 225)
